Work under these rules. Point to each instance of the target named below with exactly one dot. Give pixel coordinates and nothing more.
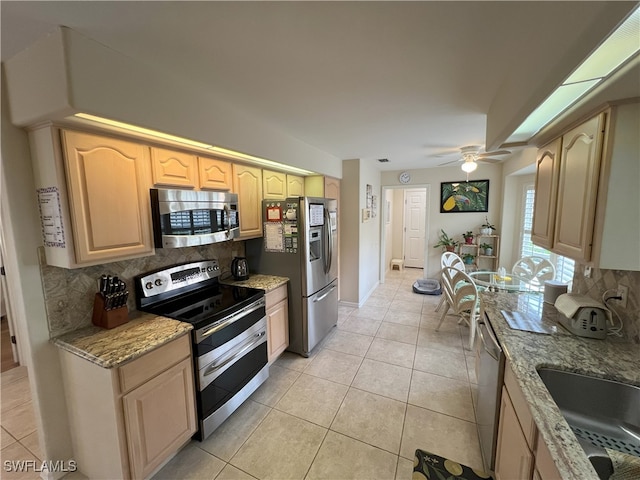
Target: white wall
(359, 241)
(21, 227)
(452, 223)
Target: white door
(415, 201)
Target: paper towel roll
(552, 290)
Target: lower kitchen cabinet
(127, 421)
(277, 305)
(520, 452)
(514, 459)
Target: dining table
(502, 282)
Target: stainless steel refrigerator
(299, 240)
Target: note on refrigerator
(273, 237)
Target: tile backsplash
(69, 293)
(603, 280)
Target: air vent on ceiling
(383, 160)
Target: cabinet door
(332, 188)
(214, 174)
(546, 187)
(274, 184)
(578, 189)
(173, 169)
(277, 330)
(159, 418)
(295, 186)
(247, 183)
(108, 183)
(514, 460)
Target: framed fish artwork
(456, 197)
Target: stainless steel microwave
(186, 218)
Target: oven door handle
(257, 338)
(230, 319)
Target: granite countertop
(258, 280)
(612, 358)
(114, 347)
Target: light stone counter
(611, 358)
(257, 280)
(114, 347)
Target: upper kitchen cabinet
(108, 187)
(578, 188)
(247, 183)
(278, 185)
(173, 169)
(587, 204)
(547, 170)
(295, 186)
(321, 186)
(93, 197)
(215, 174)
(274, 185)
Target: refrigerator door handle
(322, 297)
(327, 229)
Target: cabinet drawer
(520, 406)
(142, 369)
(275, 296)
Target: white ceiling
(397, 80)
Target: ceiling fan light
(469, 166)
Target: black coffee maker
(240, 268)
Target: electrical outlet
(623, 291)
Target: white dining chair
(461, 296)
(449, 259)
(534, 270)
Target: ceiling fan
(472, 154)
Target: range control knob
(158, 282)
(148, 285)
(210, 269)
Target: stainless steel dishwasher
(490, 373)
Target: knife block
(108, 318)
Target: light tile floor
(19, 439)
(381, 385)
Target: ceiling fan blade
(449, 163)
(488, 160)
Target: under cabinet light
(142, 130)
(192, 143)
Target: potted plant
(467, 258)
(468, 237)
(487, 249)
(445, 241)
(487, 227)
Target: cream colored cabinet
(247, 183)
(215, 174)
(578, 189)
(274, 185)
(277, 306)
(520, 452)
(108, 186)
(546, 188)
(295, 186)
(171, 168)
(126, 422)
(514, 459)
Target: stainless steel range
(229, 335)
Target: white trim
(383, 270)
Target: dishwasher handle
(494, 349)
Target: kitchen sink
(602, 414)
